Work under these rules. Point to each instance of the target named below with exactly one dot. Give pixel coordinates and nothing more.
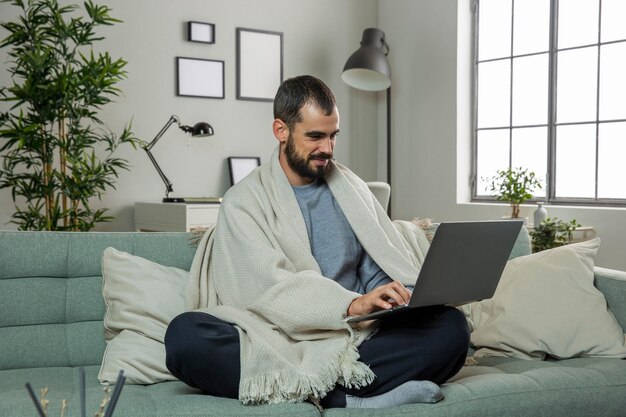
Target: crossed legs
(422, 344)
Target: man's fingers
(380, 303)
(383, 297)
(397, 292)
(389, 298)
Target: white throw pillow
(546, 304)
(141, 298)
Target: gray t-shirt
(335, 246)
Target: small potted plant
(515, 186)
(551, 233)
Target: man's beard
(301, 165)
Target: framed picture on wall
(240, 166)
(259, 64)
(201, 32)
(199, 77)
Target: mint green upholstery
(51, 312)
(50, 292)
(497, 387)
(168, 399)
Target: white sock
(408, 393)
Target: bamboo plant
(57, 155)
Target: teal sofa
(51, 312)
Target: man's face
(309, 145)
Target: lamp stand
(147, 147)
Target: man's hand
(381, 298)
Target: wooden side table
(174, 217)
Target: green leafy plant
(515, 186)
(551, 233)
(52, 134)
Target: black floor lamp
(368, 69)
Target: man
(300, 244)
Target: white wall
(431, 103)
(318, 38)
(430, 59)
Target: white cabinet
(174, 217)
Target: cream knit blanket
(257, 272)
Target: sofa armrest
(612, 283)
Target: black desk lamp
(200, 129)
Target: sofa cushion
(166, 399)
(51, 305)
(141, 298)
(546, 304)
(497, 386)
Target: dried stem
(44, 402)
(63, 407)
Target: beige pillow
(546, 304)
(141, 298)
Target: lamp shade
(201, 129)
(368, 68)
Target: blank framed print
(201, 32)
(199, 77)
(240, 166)
(259, 64)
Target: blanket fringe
(354, 374)
(289, 386)
(274, 388)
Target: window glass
(494, 32)
(530, 90)
(611, 166)
(613, 15)
(494, 79)
(578, 23)
(530, 150)
(492, 155)
(575, 161)
(577, 85)
(531, 26)
(613, 81)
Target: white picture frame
(259, 64)
(199, 77)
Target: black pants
(422, 344)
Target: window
(550, 96)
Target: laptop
(463, 264)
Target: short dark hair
(295, 92)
